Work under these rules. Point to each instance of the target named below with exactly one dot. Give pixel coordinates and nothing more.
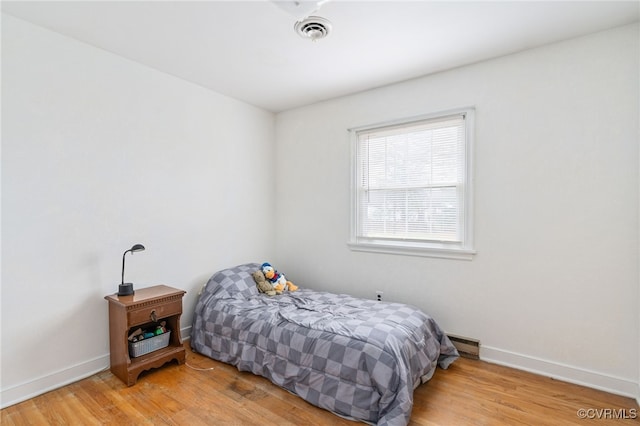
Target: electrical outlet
(379, 295)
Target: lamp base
(125, 289)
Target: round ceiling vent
(313, 28)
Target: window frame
(464, 249)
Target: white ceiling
(248, 50)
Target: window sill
(441, 253)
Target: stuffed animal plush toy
(263, 285)
(276, 278)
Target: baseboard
(185, 333)
(563, 372)
(32, 388)
(567, 373)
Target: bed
(360, 359)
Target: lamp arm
(123, 255)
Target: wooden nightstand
(144, 308)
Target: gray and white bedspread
(360, 359)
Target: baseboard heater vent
(467, 347)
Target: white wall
(554, 286)
(99, 153)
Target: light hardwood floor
(468, 393)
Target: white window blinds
(410, 182)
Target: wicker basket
(151, 344)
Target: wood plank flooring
(207, 392)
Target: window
(411, 191)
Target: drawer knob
(153, 316)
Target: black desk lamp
(126, 289)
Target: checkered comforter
(360, 359)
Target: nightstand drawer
(154, 312)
